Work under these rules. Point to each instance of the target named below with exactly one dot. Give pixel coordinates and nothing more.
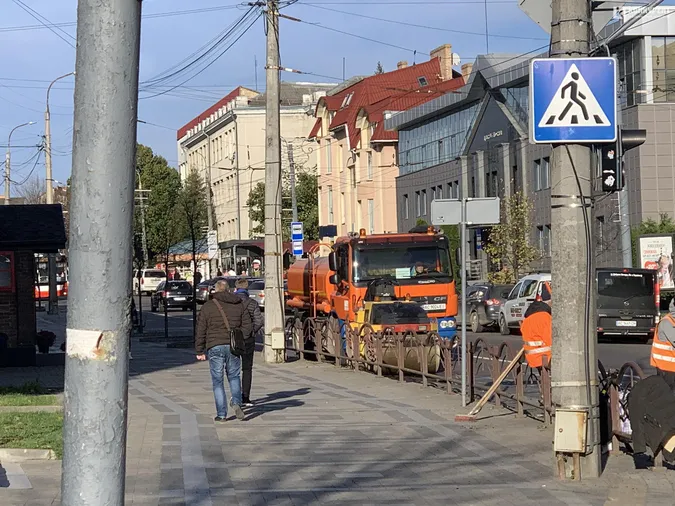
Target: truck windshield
(625, 285)
(401, 261)
(398, 313)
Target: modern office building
(475, 142)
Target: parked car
(206, 288)
(256, 290)
(512, 311)
(149, 280)
(483, 304)
(172, 294)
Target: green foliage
(665, 225)
(163, 183)
(306, 193)
(379, 69)
(193, 207)
(509, 243)
(421, 222)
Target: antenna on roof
(255, 63)
(414, 55)
(344, 68)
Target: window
(424, 202)
(629, 56)
(343, 263)
(331, 217)
(528, 288)
(473, 186)
(343, 208)
(516, 290)
(329, 159)
(370, 165)
(418, 203)
(422, 81)
(6, 271)
(433, 193)
(536, 173)
(371, 216)
(515, 179)
(545, 173)
(544, 239)
(347, 100)
(600, 233)
(406, 204)
(359, 215)
(491, 180)
(448, 192)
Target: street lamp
(48, 143)
(8, 157)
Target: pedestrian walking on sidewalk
(257, 320)
(219, 317)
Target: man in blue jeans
(223, 312)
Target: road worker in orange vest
(663, 348)
(536, 329)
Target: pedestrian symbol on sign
(574, 104)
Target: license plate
(626, 323)
(433, 307)
(179, 298)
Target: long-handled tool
(471, 417)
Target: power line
(405, 23)
(46, 23)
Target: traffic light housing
(611, 158)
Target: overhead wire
(46, 23)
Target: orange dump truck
(334, 287)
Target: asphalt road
(180, 322)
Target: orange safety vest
(536, 330)
(663, 352)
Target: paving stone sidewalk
(319, 435)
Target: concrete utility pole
(291, 165)
(574, 363)
(49, 183)
(209, 200)
(8, 157)
(104, 164)
(274, 304)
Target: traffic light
(611, 158)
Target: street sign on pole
(212, 243)
(297, 236)
(478, 211)
(573, 100)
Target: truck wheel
(503, 327)
(476, 327)
(330, 330)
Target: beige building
(357, 162)
(227, 144)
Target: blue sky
(32, 57)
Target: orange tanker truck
(334, 287)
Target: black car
(206, 288)
(628, 303)
(483, 303)
(173, 294)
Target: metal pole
(464, 288)
(624, 210)
(8, 157)
(97, 367)
(291, 164)
(274, 310)
(574, 363)
(209, 199)
(144, 237)
(236, 154)
(49, 184)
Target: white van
(149, 280)
(523, 294)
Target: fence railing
(434, 361)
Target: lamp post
(53, 294)
(8, 157)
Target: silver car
(256, 290)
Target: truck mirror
(332, 261)
(458, 257)
(333, 279)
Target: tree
(509, 243)
(665, 225)
(306, 192)
(379, 69)
(33, 190)
(193, 214)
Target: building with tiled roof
(357, 156)
(226, 143)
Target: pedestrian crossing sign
(573, 100)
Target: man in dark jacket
(213, 341)
(241, 286)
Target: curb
(24, 455)
(31, 409)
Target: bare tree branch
(33, 191)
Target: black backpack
(237, 338)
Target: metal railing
(526, 390)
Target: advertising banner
(656, 252)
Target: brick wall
(17, 310)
